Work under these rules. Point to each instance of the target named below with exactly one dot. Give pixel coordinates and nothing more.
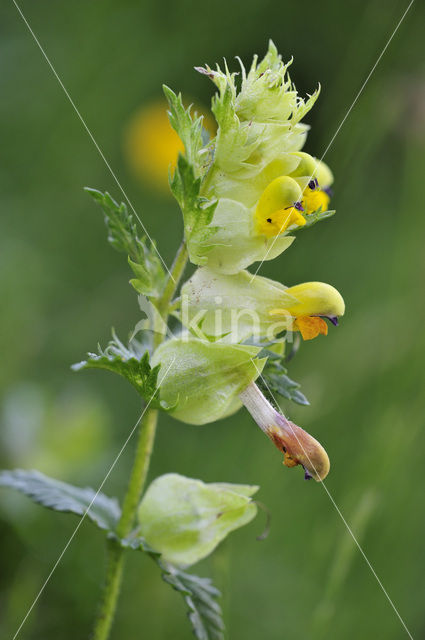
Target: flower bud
(201, 380)
(298, 446)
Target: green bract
(259, 139)
(202, 380)
(185, 519)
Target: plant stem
(111, 589)
(139, 472)
(146, 438)
(176, 273)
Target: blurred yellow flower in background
(151, 145)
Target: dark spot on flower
(299, 206)
(333, 319)
(269, 219)
(312, 185)
(307, 474)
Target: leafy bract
(197, 210)
(199, 594)
(61, 496)
(312, 218)
(129, 363)
(143, 257)
(200, 597)
(275, 379)
(189, 128)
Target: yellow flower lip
(316, 299)
(314, 198)
(314, 302)
(279, 207)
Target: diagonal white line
(347, 526)
(343, 120)
(90, 505)
(91, 136)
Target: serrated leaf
(312, 218)
(275, 379)
(233, 143)
(129, 363)
(143, 258)
(200, 597)
(188, 127)
(197, 211)
(135, 542)
(61, 496)
(199, 594)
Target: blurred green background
(62, 288)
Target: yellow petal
(310, 327)
(316, 299)
(275, 210)
(315, 199)
(310, 167)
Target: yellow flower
(314, 198)
(279, 207)
(152, 146)
(315, 301)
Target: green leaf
(312, 218)
(274, 379)
(198, 593)
(189, 128)
(197, 211)
(60, 496)
(234, 142)
(200, 597)
(130, 363)
(186, 182)
(143, 258)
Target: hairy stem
(139, 472)
(146, 438)
(176, 273)
(111, 589)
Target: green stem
(176, 273)
(111, 589)
(147, 429)
(138, 473)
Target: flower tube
(236, 307)
(298, 446)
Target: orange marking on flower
(311, 326)
(289, 461)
